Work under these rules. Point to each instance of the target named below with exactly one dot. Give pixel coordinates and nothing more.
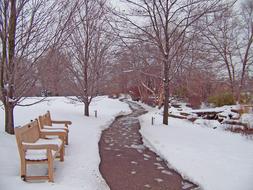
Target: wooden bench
(46, 122)
(34, 149)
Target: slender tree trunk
(86, 107)
(166, 106)
(9, 118)
(244, 64)
(9, 92)
(166, 91)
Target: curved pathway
(126, 164)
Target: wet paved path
(126, 164)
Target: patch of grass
(222, 99)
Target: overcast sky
(122, 6)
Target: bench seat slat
(38, 154)
(40, 141)
(41, 154)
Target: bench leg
(23, 170)
(50, 161)
(50, 170)
(62, 151)
(67, 139)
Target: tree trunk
(86, 107)
(166, 104)
(9, 118)
(166, 91)
(10, 67)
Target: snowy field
(213, 158)
(80, 170)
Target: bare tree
(140, 71)
(166, 24)
(228, 35)
(245, 45)
(197, 79)
(87, 47)
(53, 74)
(27, 29)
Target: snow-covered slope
(213, 158)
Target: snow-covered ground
(80, 168)
(247, 118)
(213, 158)
(226, 113)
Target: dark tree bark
(86, 108)
(166, 91)
(8, 87)
(9, 119)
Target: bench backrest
(45, 120)
(28, 133)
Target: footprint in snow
(166, 172)
(140, 151)
(159, 180)
(146, 155)
(157, 164)
(133, 162)
(147, 186)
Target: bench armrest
(32, 146)
(62, 122)
(56, 128)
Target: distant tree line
(209, 51)
(152, 50)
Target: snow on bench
(34, 148)
(47, 123)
